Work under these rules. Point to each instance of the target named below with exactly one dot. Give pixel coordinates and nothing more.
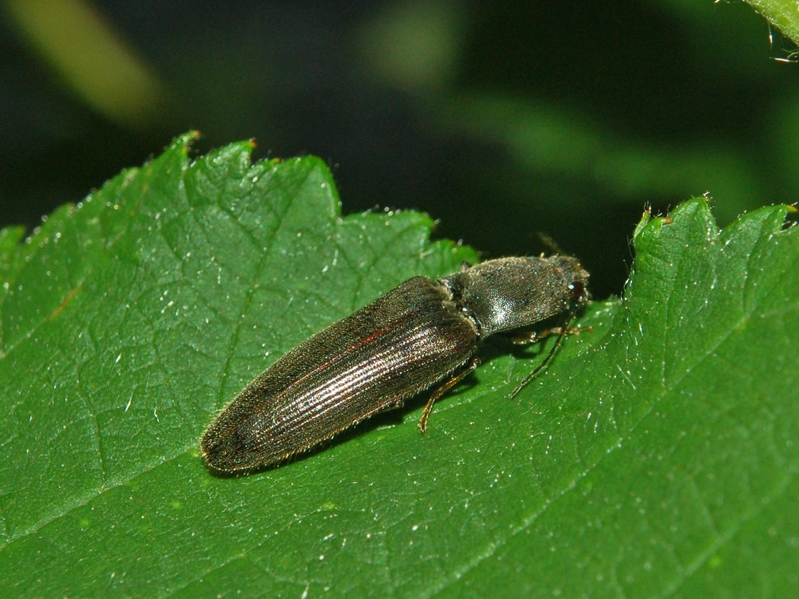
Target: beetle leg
(528, 337)
(561, 332)
(454, 380)
(399, 403)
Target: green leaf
(655, 456)
(782, 14)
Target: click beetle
(420, 333)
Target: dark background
(500, 119)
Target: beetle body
(395, 347)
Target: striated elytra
(418, 334)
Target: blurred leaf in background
(501, 120)
(90, 58)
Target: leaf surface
(656, 455)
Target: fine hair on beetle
(425, 332)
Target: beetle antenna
(550, 243)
